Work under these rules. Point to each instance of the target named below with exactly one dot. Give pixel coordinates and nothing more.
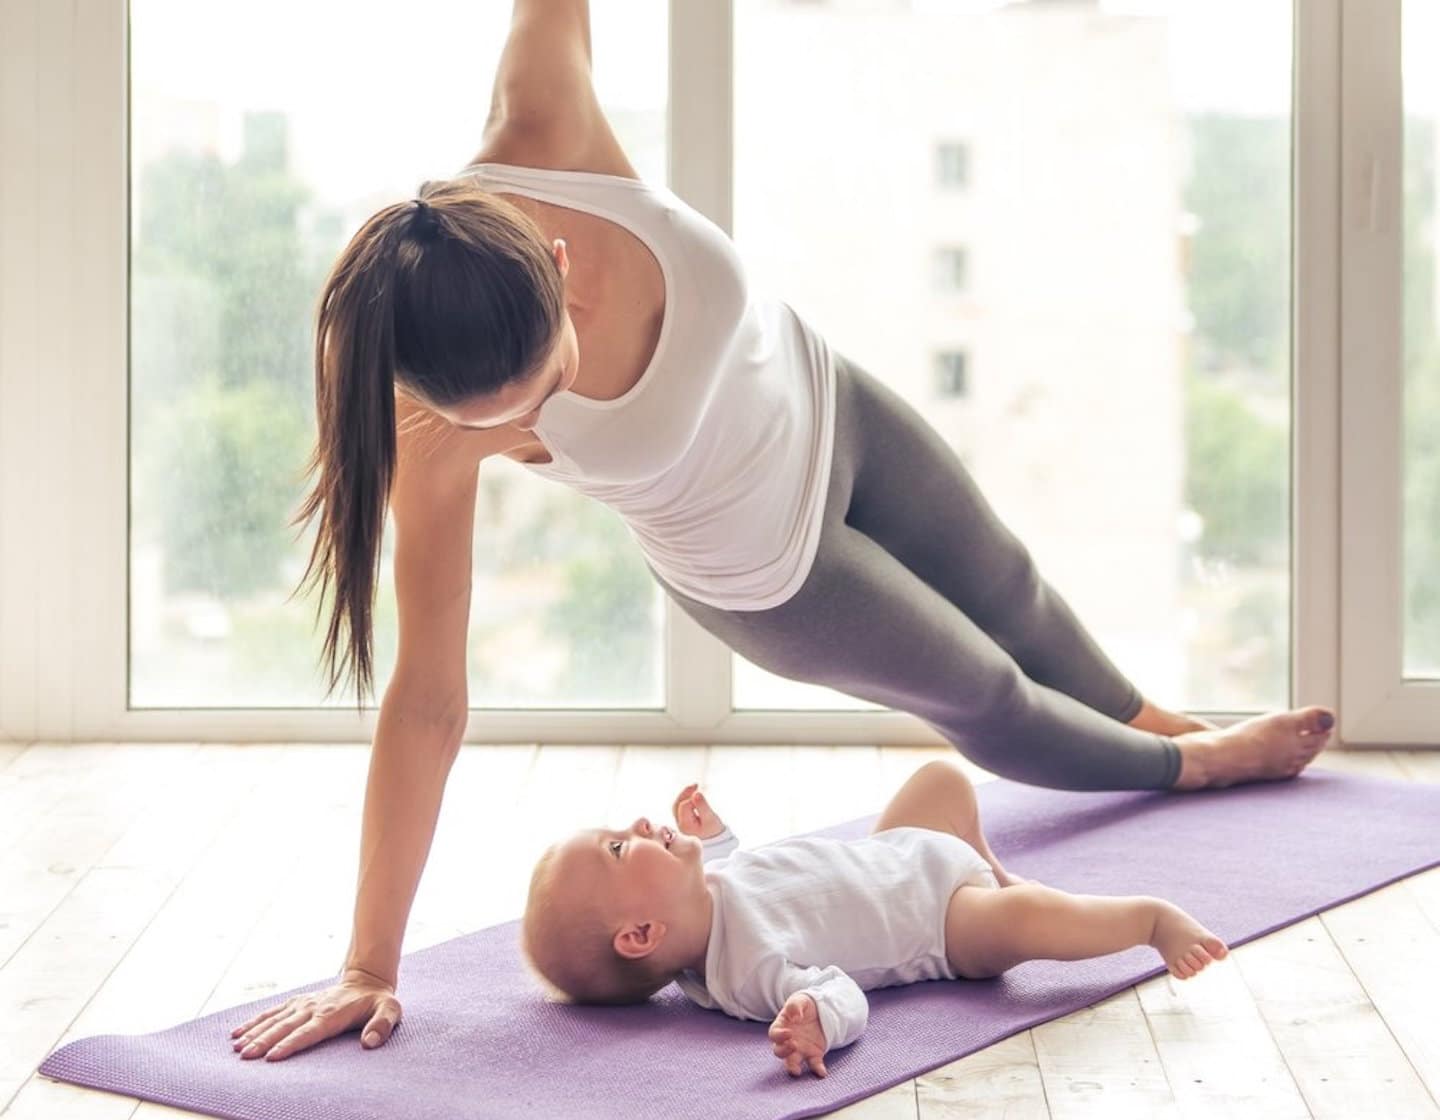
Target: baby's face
(643, 872)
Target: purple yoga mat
(477, 1040)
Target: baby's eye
(615, 847)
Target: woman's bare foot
(1166, 722)
(1265, 748)
(1186, 945)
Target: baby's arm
(695, 817)
(820, 1009)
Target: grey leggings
(921, 600)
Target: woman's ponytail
(451, 300)
(354, 455)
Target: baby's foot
(1186, 945)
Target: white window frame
(64, 460)
(1376, 701)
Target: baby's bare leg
(940, 796)
(988, 930)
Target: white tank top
(718, 459)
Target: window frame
(64, 563)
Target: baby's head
(614, 914)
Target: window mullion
(701, 171)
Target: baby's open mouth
(666, 835)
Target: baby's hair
(568, 946)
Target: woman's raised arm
(544, 76)
(544, 111)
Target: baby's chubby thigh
(976, 920)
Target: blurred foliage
(1239, 188)
(222, 396)
(606, 610)
(230, 456)
(1237, 477)
(1237, 458)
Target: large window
(259, 144)
(1217, 437)
(1421, 326)
(1125, 283)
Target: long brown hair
(450, 300)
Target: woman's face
(518, 405)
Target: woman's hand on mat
(693, 814)
(360, 999)
(797, 1036)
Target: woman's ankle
(1199, 764)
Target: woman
(857, 552)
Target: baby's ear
(639, 939)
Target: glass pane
(262, 137)
(1421, 509)
(1123, 305)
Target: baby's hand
(693, 814)
(797, 1036)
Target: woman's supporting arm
(410, 761)
(423, 713)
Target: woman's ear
(639, 939)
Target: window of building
(952, 373)
(950, 265)
(952, 165)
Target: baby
(793, 932)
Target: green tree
(222, 382)
(606, 609)
(1237, 461)
(1237, 473)
(1238, 476)
(1239, 188)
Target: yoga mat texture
(478, 1040)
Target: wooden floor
(143, 885)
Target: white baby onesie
(829, 918)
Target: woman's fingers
(274, 1034)
(316, 1030)
(307, 1019)
(382, 1023)
(259, 1019)
(263, 1023)
(376, 1033)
